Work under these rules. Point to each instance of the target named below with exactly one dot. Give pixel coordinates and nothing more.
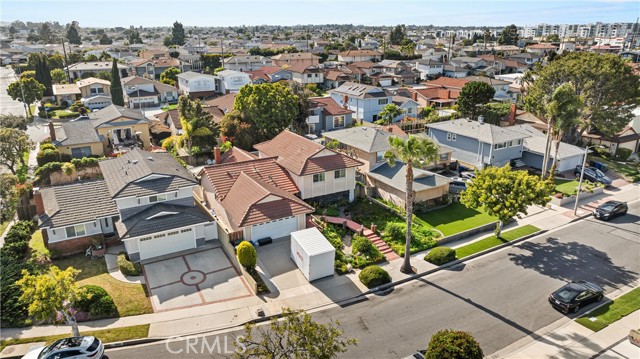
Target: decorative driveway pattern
(194, 279)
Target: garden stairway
(389, 254)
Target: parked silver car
(69, 348)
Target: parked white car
(69, 348)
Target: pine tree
(43, 74)
(116, 87)
(177, 34)
(72, 34)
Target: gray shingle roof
(395, 177)
(121, 174)
(76, 133)
(368, 139)
(158, 218)
(75, 203)
(112, 112)
(484, 132)
(353, 89)
(190, 75)
(538, 140)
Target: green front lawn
(493, 241)
(105, 335)
(22, 171)
(455, 218)
(566, 186)
(170, 107)
(612, 311)
(628, 170)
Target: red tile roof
(296, 154)
(447, 82)
(225, 102)
(236, 154)
(438, 93)
(330, 106)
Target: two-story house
(269, 74)
(196, 85)
(428, 68)
(145, 200)
(231, 81)
(334, 78)
(153, 68)
(326, 115)
(246, 63)
(142, 92)
(359, 55)
(95, 92)
(304, 74)
(368, 145)
(77, 70)
(365, 101)
(400, 71)
(320, 173)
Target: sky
(111, 13)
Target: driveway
(193, 279)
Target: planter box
(250, 281)
(572, 199)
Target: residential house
(359, 55)
(334, 78)
(436, 97)
(246, 63)
(305, 58)
(365, 101)
(320, 173)
(92, 86)
(77, 139)
(455, 71)
(627, 138)
(196, 85)
(400, 71)
(68, 93)
(326, 115)
(223, 103)
(171, 119)
(305, 75)
(119, 127)
(471, 63)
(77, 70)
(569, 156)
(369, 144)
(253, 199)
(407, 104)
(542, 49)
(231, 81)
(144, 92)
(529, 58)
(154, 54)
(428, 68)
(269, 74)
(507, 50)
(153, 68)
(502, 87)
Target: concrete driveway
(193, 279)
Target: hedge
(440, 255)
(12, 261)
(47, 156)
(374, 276)
(247, 255)
(127, 267)
(96, 301)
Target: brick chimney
(52, 131)
(37, 197)
(512, 115)
(216, 155)
(345, 101)
(414, 96)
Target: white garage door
(567, 164)
(171, 242)
(275, 229)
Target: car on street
(610, 209)
(70, 348)
(593, 174)
(458, 184)
(574, 295)
(468, 174)
(419, 354)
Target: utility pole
(66, 60)
(24, 102)
(584, 164)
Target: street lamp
(584, 164)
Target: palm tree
(414, 150)
(389, 112)
(68, 169)
(564, 108)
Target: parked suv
(593, 174)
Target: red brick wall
(71, 246)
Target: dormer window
(158, 198)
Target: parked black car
(610, 209)
(593, 174)
(575, 295)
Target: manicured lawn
(455, 218)
(566, 186)
(493, 241)
(626, 169)
(4, 225)
(37, 243)
(105, 335)
(22, 171)
(612, 311)
(170, 107)
(130, 299)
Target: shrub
(623, 154)
(47, 146)
(334, 236)
(127, 267)
(15, 250)
(440, 255)
(396, 231)
(364, 246)
(453, 344)
(96, 301)
(46, 156)
(63, 115)
(374, 276)
(247, 255)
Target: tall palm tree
(389, 112)
(564, 108)
(412, 151)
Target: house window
(499, 146)
(380, 156)
(338, 121)
(75, 231)
(185, 230)
(158, 198)
(318, 177)
(383, 101)
(98, 90)
(81, 152)
(159, 235)
(410, 110)
(451, 136)
(145, 239)
(312, 127)
(516, 143)
(309, 76)
(341, 173)
(444, 156)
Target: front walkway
(389, 254)
(111, 258)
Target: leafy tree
(117, 97)
(388, 113)
(299, 123)
(68, 169)
(553, 38)
(104, 56)
(167, 41)
(72, 33)
(238, 130)
(58, 76)
(91, 58)
(46, 35)
(105, 40)
(13, 143)
(170, 76)
(509, 36)
(563, 110)
(270, 107)
(28, 74)
(609, 90)
(177, 34)
(397, 34)
(474, 93)
(197, 123)
(75, 57)
(32, 89)
(103, 75)
(453, 344)
(505, 194)
(56, 61)
(13, 121)
(52, 295)
(412, 151)
(295, 336)
(134, 38)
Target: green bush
(47, 146)
(334, 236)
(96, 301)
(247, 255)
(364, 246)
(453, 344)
(623, 154)
(396, 231)
(47, 156)
(374, 276)
(422, 238)
(440, 255)
(127, 267)
(63, 115)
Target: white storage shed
(312, 253)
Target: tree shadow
(572, 261)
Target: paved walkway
(111, 258)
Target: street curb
(127, 343)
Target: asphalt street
(7, 104)
(500, 298)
